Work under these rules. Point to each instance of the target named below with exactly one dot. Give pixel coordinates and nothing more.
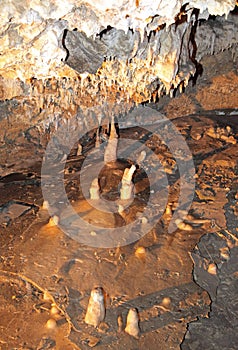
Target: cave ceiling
(145, 48)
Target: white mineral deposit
(96, 307)
(132, 323)
(94, 190)
(110, 154)
(127, 186)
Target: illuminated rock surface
(147, 48)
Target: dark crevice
(182, 16)
(235, 11)
(192, 54)
(153, 32)
(63, 43)
(104, 31)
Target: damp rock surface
(151, 49)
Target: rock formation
(58, 50)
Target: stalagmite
(54, 221)
(127, 184)
(141, 157)
(110, 154)
(45, 205)
(132, 323)
(96, 308)
(51, 324)
(212, 269)
(94, 190)
(79, 150)
(120, 209)
(120, 323)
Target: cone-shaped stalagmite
(96, 307)
(94, 190)
(132, 323)
(110, 154)
(127, 184)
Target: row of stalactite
(68, 93)
(125, 80)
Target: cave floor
(40, 265)
(37, 258)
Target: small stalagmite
(45, 205)
(132, 323)
(94, 190)
(140, 252)
(212, 269)
(110, 154)
(54, 221)
(51, 324)
(127, 184)
(96, 307)
(79, 150)
(141, 157)
(120, 323)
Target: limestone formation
(110, 154)
(132, 323)
(127, 186)
(96, 308)
(144, 48)
(94, 190)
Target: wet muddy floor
(41, 266)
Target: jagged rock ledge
(140, 50)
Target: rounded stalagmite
(132, 323)
(96, 307)
(127, 187)
(94, 190)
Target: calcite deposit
(144, 48)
